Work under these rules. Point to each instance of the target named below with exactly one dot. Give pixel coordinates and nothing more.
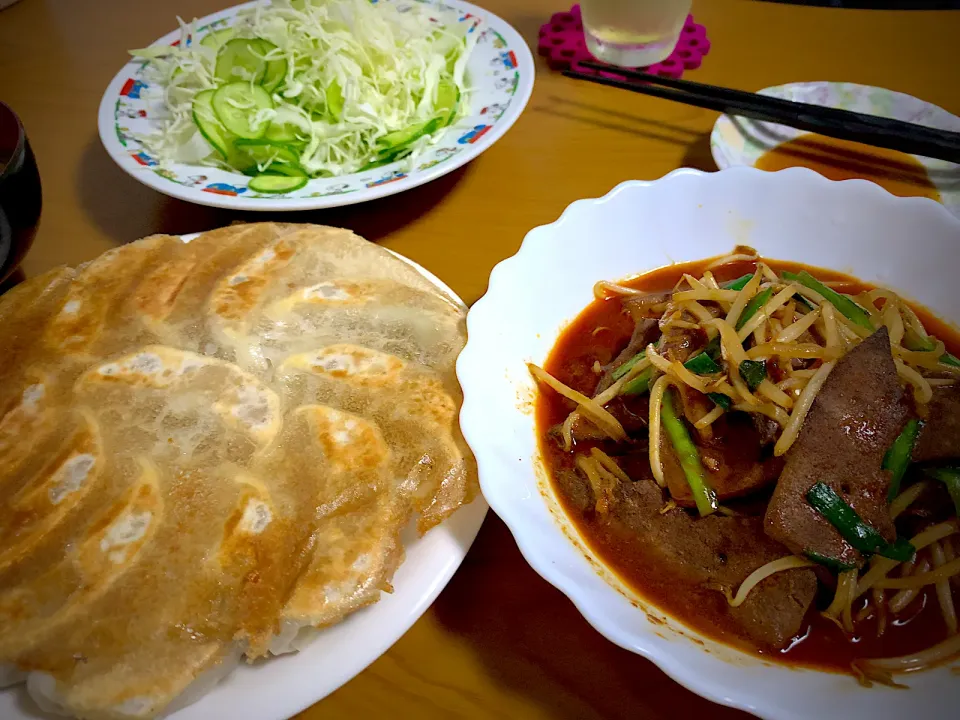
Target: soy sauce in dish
(897, 172)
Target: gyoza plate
(279, 687)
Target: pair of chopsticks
(843, 124)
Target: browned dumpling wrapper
(208, 451)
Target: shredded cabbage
(384, 59)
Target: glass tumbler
(633, 33)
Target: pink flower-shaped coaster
(562, 42)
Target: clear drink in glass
(633, 33)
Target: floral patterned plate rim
(741, 141)
(500, 71)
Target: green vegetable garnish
(722, 400)
(948, 359)
(847, 307)
(923, 344)
(898, 456)
(753, 373)
(949, 476)
(702, 364)
(625, 368)
(703, 494)
(713, 348)
(833, 564)
(638, 385)
(753, 307)
(740, 283)
(854, 530)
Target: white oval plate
(741, 141)
(280, 687)
(795, 214)
(500, 73)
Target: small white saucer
(741, 141)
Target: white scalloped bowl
(910, 244)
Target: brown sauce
(820, 644)
(892, 170)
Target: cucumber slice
(216, 39)
(373, 164)
(239, 59)
(285, 127)
(276, 70)
(242, 162)
(284, 134)
(401, 138)
(276, 157)
(242, 59)
(452, 43)
(386, 159)
(236, 104)
(277, 183)
(448, 41)
(448, 98)
(335, 100)
(206, 121)
(284, 169)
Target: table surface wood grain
(499, 641)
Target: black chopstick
(843, 124)
(743, 96)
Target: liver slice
(682, 555)
(940, 437)
(733, 460)
(857, 415)
(718, 549)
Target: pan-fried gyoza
(208, 451)
(770, 453)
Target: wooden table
(499, 642)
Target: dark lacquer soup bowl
(19, 193)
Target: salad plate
(498, 76)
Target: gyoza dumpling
(210, 450)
